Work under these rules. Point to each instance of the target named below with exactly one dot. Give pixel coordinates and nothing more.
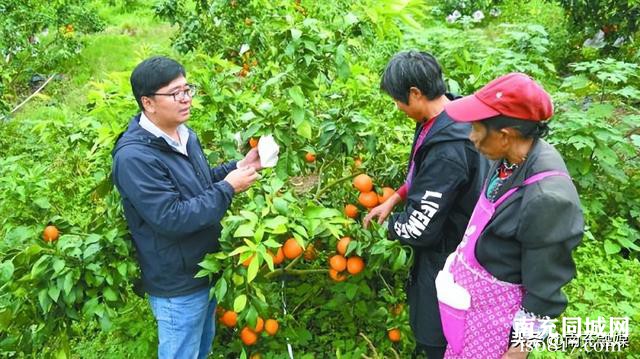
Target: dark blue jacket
(173, 205)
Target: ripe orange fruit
(363, 183)
(355, 265)
(253, 142)
(229, 319)
(247, 261)
(343, 244)
(271, 326)
(248, 336)
(310, 157)
(394, 335)
(386, 193)
(259, 325)
(310, 252)
(50, 234)
(338, 263)
(291, 249)
(351, 211)
(368, 199)
(278, 257)
(336, 276)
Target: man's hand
(382, 211)
(240, 179)
(252, 159)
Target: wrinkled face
(166, 110)
(492, 144)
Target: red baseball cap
(514, 95)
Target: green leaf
(610, 247)
(39, 266)
(91, 250)
(281, 206)
(238, 250)
(295, 34)
(44, 300)
(305, 130)
(320, 212)
(297, 115)
(221, 289)
(42, 202)
(109, 294)
(400, 260)
(54, 293)
(245, 230)
(252, 271)
(68, 283)
(297, 96)
(58, 265)
(239, 303)
(6, 271)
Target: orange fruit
(259, 325)
(292, 249)
(310, 157)
(355, 265)
(271, 326)
(351, 211)
(247, 261)
(343, 244)
(357, 163)
(368, 199)
(386, 193)
(336, 276)
(229, 319)
(278, 257)
(363, 183)
(394, 335)
(310, 252)
(50, 234)
(248, 336)
(338, 263)
(253, 142)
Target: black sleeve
(220, 172)
(550, 227)
(146, 183)
(429, 200)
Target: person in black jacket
(443, 183)
(522, 251)
(173, 203)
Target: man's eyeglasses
(180, 95)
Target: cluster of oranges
(289, 250)
(248, 335)
(368, 197)
(338, 263)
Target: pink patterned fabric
(483, 331)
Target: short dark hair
(152, 74)
(526, 128)
(413, 69)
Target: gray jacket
(531, 236)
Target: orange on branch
(342, 245)
(351, 211)
(248, 336)
(271, 326)
(394, 335)
(338, 263)
(368, 199)
(355, 265)
(310, 157)
(387, 192)
(50, 234)
(363, 183)
(292, 249)
(229, 319)
(337, 276)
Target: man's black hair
(527, 129)
(152, 74)
(412, 69)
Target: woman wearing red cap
(508, 271)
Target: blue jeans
(186, 325)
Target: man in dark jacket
(443, 183)
(173, 203)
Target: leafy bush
(37, 37)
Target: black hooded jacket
(447, 181)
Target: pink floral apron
(477, 309)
